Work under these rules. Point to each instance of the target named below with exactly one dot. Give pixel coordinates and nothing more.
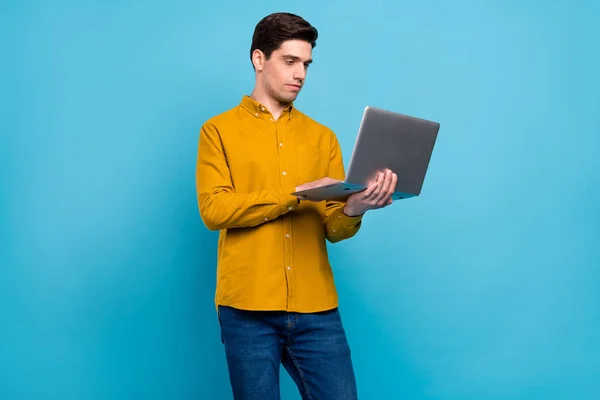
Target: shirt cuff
(287, 200)
(346, 220)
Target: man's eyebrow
(296, 58)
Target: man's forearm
(224, 209)
(339, 225)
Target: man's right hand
(310, 185)
(378, 195)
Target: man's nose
(300, 73)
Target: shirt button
(270, 119)
(289, 267)
(280, 144)
(339, 216)
(266, 219)
(287, 235)
(334, 230)
(290, 208)
(285, 173)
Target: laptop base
(341, 191)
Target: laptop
(385, 139)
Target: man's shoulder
(323, 130)
(222, 118)
(313, 123)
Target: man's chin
(291, 98)
(288, 97)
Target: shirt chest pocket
(312, 163)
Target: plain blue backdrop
(485, 287)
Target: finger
(383, 194)
(376, 188)
(366, 193)
(392, 187)
(371, 189)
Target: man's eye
(289, 62)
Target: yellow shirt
(272, 252)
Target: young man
(275, 296)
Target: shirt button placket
(287, 221)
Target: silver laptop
(386, 139)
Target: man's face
(284, 73)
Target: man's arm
(220, 206)
(338, 225)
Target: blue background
(485, 287)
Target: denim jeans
(312, 348)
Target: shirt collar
(255, 108)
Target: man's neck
(275, 107)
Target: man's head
(281, 52)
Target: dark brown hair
(274, 29)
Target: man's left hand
(377, 195)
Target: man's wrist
(350, 212)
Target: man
(275, 296)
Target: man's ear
(258, 60)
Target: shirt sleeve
(219, 205)
(338, 226)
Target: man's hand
(314, 184)
(377, 195)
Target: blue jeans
(312, 348)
